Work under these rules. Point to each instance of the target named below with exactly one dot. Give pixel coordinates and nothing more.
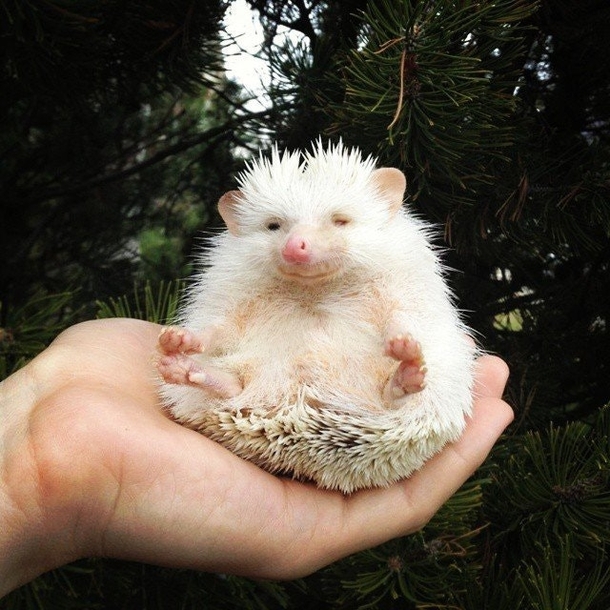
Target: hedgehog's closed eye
(339, 220)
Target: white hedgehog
(301, 345)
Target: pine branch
(432, 85)
(211, 136)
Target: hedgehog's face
(311, 224)
(312, 252)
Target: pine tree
(113, 117)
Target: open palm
(93, 467)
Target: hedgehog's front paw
(410, 376)
(175, 339)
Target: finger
(407, 506)
(491, 375)
(441, 476)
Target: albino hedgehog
(320, 339)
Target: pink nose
(296, 250)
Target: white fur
(313, 355)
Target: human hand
(91, 466)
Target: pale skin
(91, 466)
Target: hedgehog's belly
(328, 376)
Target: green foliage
(554, 485)
(27, 330)
(74, 49)
(300, 64)
(156, 304)
(433, 84)
(76, 215)
(115, 121)
(552, 580)
(426, 569)
(160, 252)
(97, 584)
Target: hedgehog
(319, 338)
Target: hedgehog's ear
(227, 205)
(391, 183)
